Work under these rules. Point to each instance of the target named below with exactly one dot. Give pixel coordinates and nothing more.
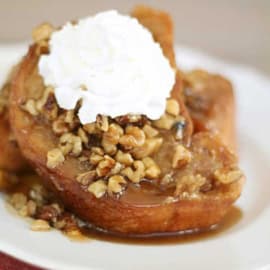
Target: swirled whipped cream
(112, 64)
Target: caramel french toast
(128, 175)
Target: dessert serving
(120, 136)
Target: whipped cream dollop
(112, 64)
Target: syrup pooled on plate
(76, 230)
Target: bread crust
(211, 104)
(10, 155)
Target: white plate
(246, 245)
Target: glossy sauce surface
(91, 233)
(231, 219)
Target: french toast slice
(210, 102)
(197, 196)
(10, 156)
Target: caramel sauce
(90, 232)
(232, 218)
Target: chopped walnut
(54, 158)
(97, 150)
(86, 178)
(149, 131)
(115, 184)
(18, 201)
(95, 158)
(166, 121)
(111, 138)
(172, 107)
(40, 225)
(137, 174)
(98, 188)
(108, 147)
(70, 143)
(189, 185)
(133, 137)
(117, 168)
(137, 133)
(90, 128)
(150, 147)
(227, 176)
(31, 208)
(181, 157)
(104, 166)
(152, 170)
(83, 136)
(124, 158)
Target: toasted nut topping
(102, 123)
(128, 172)
(137, 174)
(115, 184)
(113, 134)
(98, 188)
(124, 158)
(95, 158)
(54, 158)
(128, 141)
(30, 107)
(31, 208)
(90, 128)
(105, 166)
(189, 185)
(86, 178)
(40, 225)
(108, 147)
(137, 133)
(148, 162)
(152, 170)
(83, 136)
(134, 137)
(227, 177)
(42, 32)
(70, 143)
(97, 150)
(149, 131)
(150, 147)
(181, 157)
(166, 121)
(172, 107)
(117, 168)
(18, 201)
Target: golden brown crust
(118, 215)
(160, 25)
(10, 156)
(210, 101)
